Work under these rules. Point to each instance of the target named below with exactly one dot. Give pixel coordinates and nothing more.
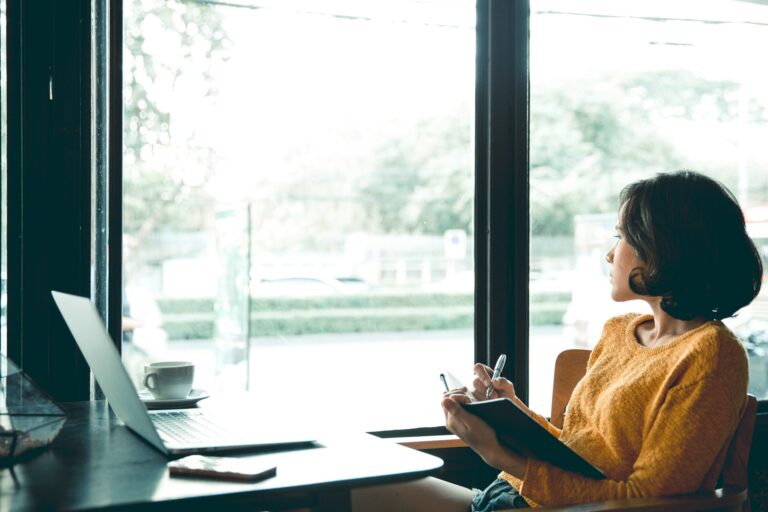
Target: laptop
(173, 432)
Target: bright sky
(298, 80)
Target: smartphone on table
(245, 469)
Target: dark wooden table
(96, 463)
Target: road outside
(364, 378)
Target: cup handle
(149, 381)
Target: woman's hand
(501, 386)
(472, 430)
(479, 435)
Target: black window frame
(51, 153)
(501, 192)
(48, 175)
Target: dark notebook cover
(522, 434)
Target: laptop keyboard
(188, 427)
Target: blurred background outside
(298, 183)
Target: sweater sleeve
(544, 422)
(681, 445)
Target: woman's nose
(609, 257)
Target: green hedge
(193, 318)
(176, 306)
(373, 300)
(189, 330)
(362, 301)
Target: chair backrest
(735, 470)
(570, 367)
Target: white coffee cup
(168, 380)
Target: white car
(308, 286)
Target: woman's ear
(637, 281)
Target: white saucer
(153, 403)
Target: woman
(663, 392)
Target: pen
(496, 373)
(445, 383)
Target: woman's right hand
(501, 386)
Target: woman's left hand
(480, 436)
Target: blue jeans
(499, 495)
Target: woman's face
(623, 260)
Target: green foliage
(547, 314)
(194, 318)
(170, 46)
(181, 306)
(422, 181)
(687, 95)
(189, 330)
(589, 138)
(362, 301)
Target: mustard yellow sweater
(656, 420)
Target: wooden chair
(570, 367)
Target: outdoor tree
(172, 49)
(593, 136)
(588, 139)
(422, 181)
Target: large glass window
(620, 91)
(298, 198)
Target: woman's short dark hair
(689, 231)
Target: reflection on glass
(639, 88)
(345, 130)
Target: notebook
(519, 432)
(173, 432)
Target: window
(371, 243)
(639, 88)
(299, 198)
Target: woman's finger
(454, 417)
(454, 391)
(503, 387)
(483, 373)
(458, 397)
(461, 398)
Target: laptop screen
(102, 356)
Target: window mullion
(505, 102)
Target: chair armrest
(726, 498)
(429, 442)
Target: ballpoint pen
(445, 383)
(496, 373)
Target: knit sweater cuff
(518, 484)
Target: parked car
(308, 286)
